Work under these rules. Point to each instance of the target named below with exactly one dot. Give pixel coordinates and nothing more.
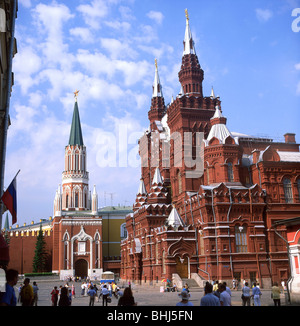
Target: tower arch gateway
(77, 226)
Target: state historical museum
(214, 221)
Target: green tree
(40, 254)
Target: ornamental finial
(76, 95)
(186, 14)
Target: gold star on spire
(186, 14)
(155, 63)
(76, 95)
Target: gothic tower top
(76, 133)
(190, 74)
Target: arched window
(298, 186)
(287, 189)
(230, 172)
(76, 199)
(123, 231)
(67, 201)
(241, 239)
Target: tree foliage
(40, 254)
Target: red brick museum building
(214, 222)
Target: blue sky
(106, 49)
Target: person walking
(54, 296)
(276, 294)
(209, 299)
(92, 294)
(256, 293)
(105, 294)
(246, 295)
(27, 293)
(35, 293)
(127, 299)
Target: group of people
(28, 294)
(219, 294)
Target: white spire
(212, 94)
(157, 89)
(95, 201)
(218, 113)
(189, 46)
(174, 218)
(157, 177)
(142, 188)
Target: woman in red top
(54, 296)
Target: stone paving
(144, 295)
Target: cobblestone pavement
(144, 295)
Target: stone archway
(81, 268)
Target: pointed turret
(190, 74)
(141, 196)
(219, 129)
(157, 108)
(142, 188)
(76, 133)
(189, 46)
(174, 219)
(157, 179)
(157, 89)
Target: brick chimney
(289, 138)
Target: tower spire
(157, 89)
(189, 46)
(76, 133)
(190, 74)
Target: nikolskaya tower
(77, 226)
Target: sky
(106, 49)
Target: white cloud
(157, 16)
(263, 14)
(82, 34)
(26, 64)
(93, 13)
(118, 49)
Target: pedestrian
(246, 295)
(110, 289)
(92, 294)
(216, 286)
(70, 296)
(209, 299)
(225, 298)
(217, 292)
(35, 293)
(9, 297)
(27, 293)
(64, 298)
(276, 294)
(105, 294)
(82, 288)
(127, 299)
(54, 296)
(19, 292)
(256, 293)
(73, 291)
(227, 288)
(185, 296)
